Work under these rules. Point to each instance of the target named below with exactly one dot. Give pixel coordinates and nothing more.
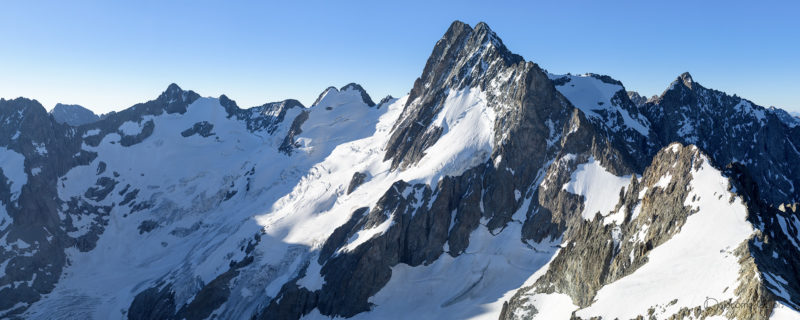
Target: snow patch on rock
(599, 188)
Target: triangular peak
(687, 80)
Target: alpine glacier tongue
(494, 189)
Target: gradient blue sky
(109, 55)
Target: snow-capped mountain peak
(351, 92)
(492, 190)
(686, 79)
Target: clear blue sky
(109, 55)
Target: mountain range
(493, 189)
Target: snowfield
(695, 264)
(190, 207)
(191, 230)
(600, 188)
(297, 202)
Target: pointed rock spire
(687, 80)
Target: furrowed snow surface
(201, 222)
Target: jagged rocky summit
(494, 189)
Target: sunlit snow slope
(493, 190)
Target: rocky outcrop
(386, 101)
(357, 180)
(730, 129)
(202, 128)
(34, 262)
(173, 100)
(636, 98)
(589, 260)
(289, 144)
(653, 209)
(266, 117)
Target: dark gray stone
(202, 128)
(357, 180)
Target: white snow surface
(297, 201)
(186, 180)
(592, 95)
(13, 166)
(783, 312)
(473, 285)
(131, 128)
(467, 135)
(599, 188)
(554, 306)
(695, 264)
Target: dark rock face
(153, 303)
(539, 139)
(386, 100)
(73, 114)
(597, 253)
(528, 109)
(731, 129)
(129, 140)
(266, 117)
(49, 149)
(637, 99)
(202, 128)
(620, 122)
(173, 100)
(289, 143)
(357, 180)
(423, 219)
(772, 249)
(455, 63)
